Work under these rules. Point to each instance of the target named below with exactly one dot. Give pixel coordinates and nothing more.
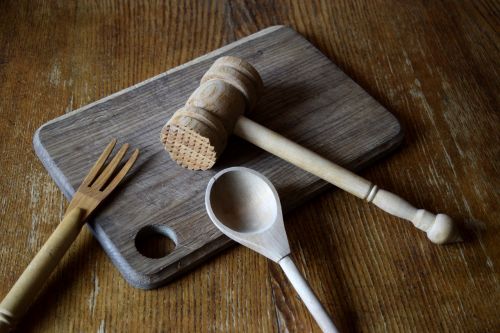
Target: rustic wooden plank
(372, 273)
(307, 98)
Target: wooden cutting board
(306, 98)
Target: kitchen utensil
(197, 133)
(96, 186)
(245, 206)
(307, 99)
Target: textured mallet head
(197, 134)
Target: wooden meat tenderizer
(196, 135)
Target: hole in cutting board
(155, 241)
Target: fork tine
(99, 163)
(122, 172)
(110, 168)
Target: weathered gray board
(306, 98)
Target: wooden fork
(93, 190)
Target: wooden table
(433, 64)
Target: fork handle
(29, 284)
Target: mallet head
(197, 134)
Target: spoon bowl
(243, 201)
(245, 206)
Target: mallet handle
(439, 228)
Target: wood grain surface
(329, 113)
(433, 64)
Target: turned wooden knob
(197, 133)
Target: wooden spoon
(245, 206)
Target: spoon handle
(307, 295)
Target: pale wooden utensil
(245, 206)
(196, 135)
(96, 186)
